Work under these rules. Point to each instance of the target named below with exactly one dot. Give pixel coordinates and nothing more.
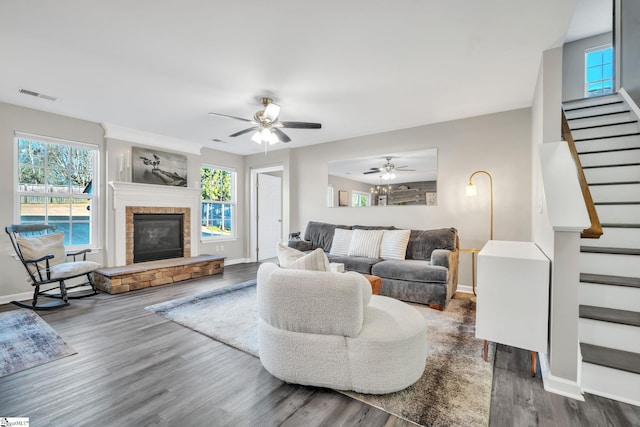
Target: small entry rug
(27, 341)
(455, 389)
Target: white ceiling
(358, 67)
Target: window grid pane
(217, 203)
(599, 72)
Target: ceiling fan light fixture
(273, 138)
(257, 137)
(271, 112)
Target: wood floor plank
(134, 367)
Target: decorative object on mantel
(472, 191)
(158, 167)
(124, 167)
(455, 388)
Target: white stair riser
(611, 158)
(611, 383)
(612, 265)
(608, 143)
(601, 120)
(613, 174)
(593, 100)
(615, 193)
(616, 238)
(605, 131)
(619, 214)
(609, 296)
(610, 335)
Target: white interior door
(269, 215)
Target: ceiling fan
(388, 169)
(266, 126)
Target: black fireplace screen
(157, 236)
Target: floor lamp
(473, 191)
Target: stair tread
(616, 203)
(593, 106)
(619, 225)
(615, 183)
(612, 315)
(610, 357)
(628, 122)
(600, 115)
(612, 165)
(607, 137)
(611, 150)
(609, 250)
(606, 279)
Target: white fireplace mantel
(129, 194)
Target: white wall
(14, 118)
(498, 143)
(573, 64)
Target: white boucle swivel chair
(326, 329)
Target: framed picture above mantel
(149, 166)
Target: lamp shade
(471, 190)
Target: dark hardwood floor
(134, 368)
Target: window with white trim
(360, 198)
(55, 185)
(218, 202)
(598, 71)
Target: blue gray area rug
(27, 341)
(455, 389)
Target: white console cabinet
(513, 296)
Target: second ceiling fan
(266, 126)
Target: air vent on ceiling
(36, 94)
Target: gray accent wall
(629, 40)
(573, 64)
(14, 118)
(498, 143)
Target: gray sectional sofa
(427, 275)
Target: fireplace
(157, 236)
(159, 232)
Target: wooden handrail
(595, 231)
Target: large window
(598, 71)
(359, 198)
(55, 185)
(218, 199)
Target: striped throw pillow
(366, 243)
(341, 241)
(394, 244)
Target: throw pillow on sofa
(295, 260)
(341, 241)
(366, 243)
(394, 244)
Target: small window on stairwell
(598, 71)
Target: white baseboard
(6, 299)
(236, 261)
(557, 385)
(467, 289)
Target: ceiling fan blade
(231, 117)
(371, 171)
(281, 135)
(271, 112)
(242, 132)
(301, 125)
(405, 170)
(220, 140)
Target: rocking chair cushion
(72, 269)
(35, 247)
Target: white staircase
(607, 137)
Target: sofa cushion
(341, 241)
(394, 244)
(290, 258)
(423, 242)
(320, 234)
(366, 243)
(360, 264)
(411, 270)
(373, 227)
